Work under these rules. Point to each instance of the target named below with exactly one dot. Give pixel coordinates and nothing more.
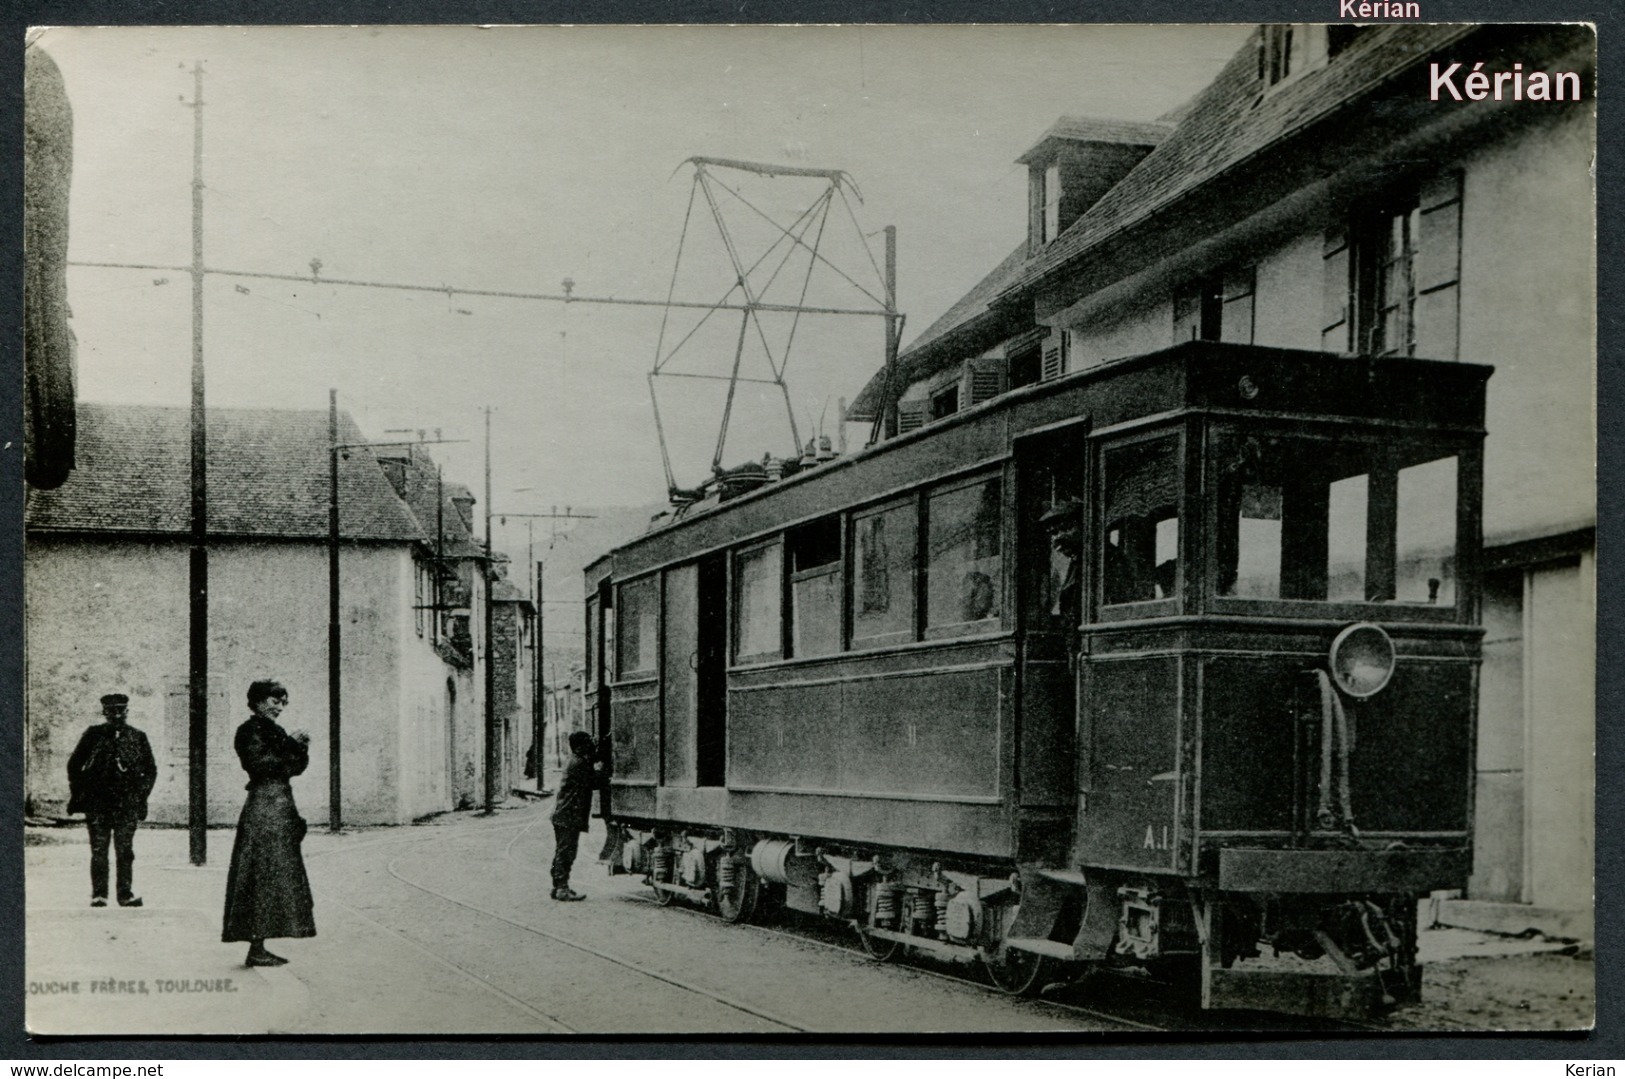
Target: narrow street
(446, 928)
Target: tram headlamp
(1361, 660)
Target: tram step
(940, 947)
(1038, 946)
(697, 894)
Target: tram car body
(1170, 663)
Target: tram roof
(1286, 384)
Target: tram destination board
(836, 530)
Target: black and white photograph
(851, 530)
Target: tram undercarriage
(1322, 955)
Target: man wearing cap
(110, 775)
(1063, 521)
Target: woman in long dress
(267, 892)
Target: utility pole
(539, 645)
(335, 816)
(893, 332)
(541, 688)
(197, 755)
(491, 749)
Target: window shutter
(911, 415)
(984, 380)
(1334, 308)
(1236, 325)
(1438, 268)
(1053, 366)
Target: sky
(510, 159)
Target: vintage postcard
(750, 531)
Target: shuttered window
(1438, 269)
(984, 380)
(911, 415)
(1236, 322)
(1218, 307)
(1392, 276)
(1335, 324)
(1056, 357)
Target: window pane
(1339, 521)
(1052, 202)
(815, 587)
(757, 603)
(964, 572)
(816, 627)
(1346, 506)
(1142, 522)
(1425, 558)
(883, 574)
(639, 609)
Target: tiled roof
(417, 490)
(504, 591)
(267, 477)
(1232, 120)
(1228, 122)
(976, 300)
(969, 306)
(1093, 129)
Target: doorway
(711, 673)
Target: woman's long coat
(267, 892)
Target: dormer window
(1052, 204)
(1077, 161)
(1288, 51)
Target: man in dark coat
(571, 809)
(110, 775)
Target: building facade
(1317, 196)
(106, 609)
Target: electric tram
(1170, 663)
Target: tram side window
(964, 571)
(1343, 522)
(883, 543)
(815, 588)
(1141, 548)
(758, 601)
(639, 613)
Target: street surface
(447, 928)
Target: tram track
(685, 985)
(859, 954)
(806, 936)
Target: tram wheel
(879, 949)
(1016, 972)
(737, 904)
(663, 897)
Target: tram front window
(1335, 521)
(1141, 548)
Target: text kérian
(1377, 9)
(1479, 85)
